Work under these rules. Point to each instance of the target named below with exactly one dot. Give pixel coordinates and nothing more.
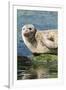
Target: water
(40, 19)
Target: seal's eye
(30, 28)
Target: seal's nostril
(30, 28)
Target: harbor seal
(40, 41)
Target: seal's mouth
(26, 34)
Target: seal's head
(28, 30)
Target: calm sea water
(40, 19)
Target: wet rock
(24, 61)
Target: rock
(23, 63)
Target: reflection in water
(37, 67)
